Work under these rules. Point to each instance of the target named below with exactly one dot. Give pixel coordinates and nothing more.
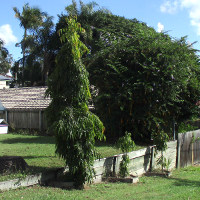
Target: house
(24, 107)
(5, 81)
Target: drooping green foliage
(75, 127)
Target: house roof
(24, 98)
(5, 78)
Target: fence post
(6, 116)
(40, 120)
(114, 166)
(30, 120)
(192, 147)
(178, 153)
(152, 158)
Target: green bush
(126, 144)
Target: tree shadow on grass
(104, 144)
(30, 170)
(186, 182)
(33, 157)
(183, 182)
(38, 169)
(31, 140)
(48, 160)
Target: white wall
(3, 85)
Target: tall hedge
(146, 81)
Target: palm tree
(30, 19)
(42, 48)
(5, 58)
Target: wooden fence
(188, 148)
(141, 161)
(25, 119)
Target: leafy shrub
(185, 127)
(126, 144)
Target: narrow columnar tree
(75, 127)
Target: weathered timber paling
(189, 147)
(152, 164)
(25, 119)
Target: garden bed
(131, 179)
(160, 173)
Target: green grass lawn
(39, 151)
(184, 184)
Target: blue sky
(178, 17)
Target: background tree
(30, 19)
(16, 73)
(144, 78)
(42, 53)
(5, 59)
(75, 127)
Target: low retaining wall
(141, 161)
(40, 178)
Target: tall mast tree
(75, 127)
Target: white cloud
(169, 6)
(160, 27)
(6, 34)
(193, 7)
(189, 3)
